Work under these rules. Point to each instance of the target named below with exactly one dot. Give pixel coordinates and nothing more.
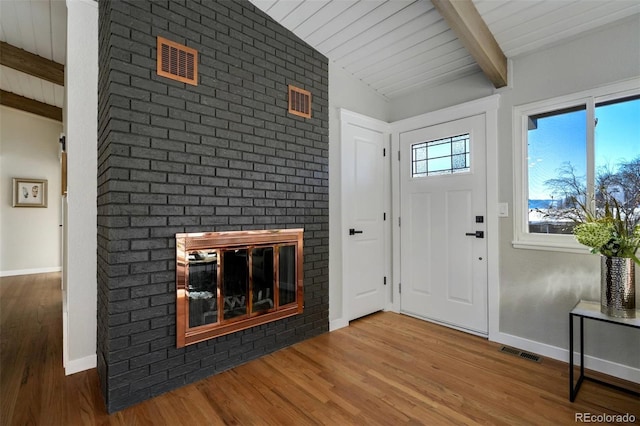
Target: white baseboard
(592, 363)
(30, 271)
(337, 324)
(72, 366)
(77, 365)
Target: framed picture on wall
(29, 192)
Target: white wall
(539, 288)
(346, 92)
(81, 122)
(29, 237)
(468, 88)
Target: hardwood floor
(385, 369)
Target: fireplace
(231, 281)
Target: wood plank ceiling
(400, 46)
(394, 46)
(32, 55)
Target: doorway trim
(488, 107)
(79, 266)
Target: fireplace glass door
(287, 270)
(202, 287)
(235, 283)
(230, 281)
(262, 279)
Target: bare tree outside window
(571, 204)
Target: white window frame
(523, 239)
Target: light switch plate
(503, 209)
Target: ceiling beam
(31, 64)
(25, 104)
(463, 18)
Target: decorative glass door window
(440, 157)
(230, 281)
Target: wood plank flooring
(385, 369)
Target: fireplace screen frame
(216, 243)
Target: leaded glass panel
(441, 156)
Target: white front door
(443, 205)
(364, 185)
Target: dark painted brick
(185, 369)
(162, 322)
(166, 100)
(213, 201)
(118, 319)
(183, 179)
(117, 307)
(124, 186)
(184, 220)
(152, 266)
(167, 167)
(119, 294)
(184, 200)
(223, 155)
(129, 352)
(164, 299)
(146, 359)
(163, 277)
(118, 378)
(214, 220)
(148, 221)
(167, 210)
(149, 381)
(148, 176)
(128, 257)
(202, 211)
(165, 342)
(128, 281)
(165, 232)
(148, 290)
(148, 313)
(240, 202)
(166, 364)
(148, 244)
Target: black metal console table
(591, 310)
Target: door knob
(352, 231)
(477, 234)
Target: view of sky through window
(617, 133)
(557, 158)
(560, 138)
(553, 141)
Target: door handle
(352, 231)
(477, 234)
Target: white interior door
(443, 205)
(364, 184)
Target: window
(439, 157)
(570, 150)
(556, 150)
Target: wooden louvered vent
(299, 102)
(177, 62)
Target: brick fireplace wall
(223, 155)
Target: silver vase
(617, 287)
